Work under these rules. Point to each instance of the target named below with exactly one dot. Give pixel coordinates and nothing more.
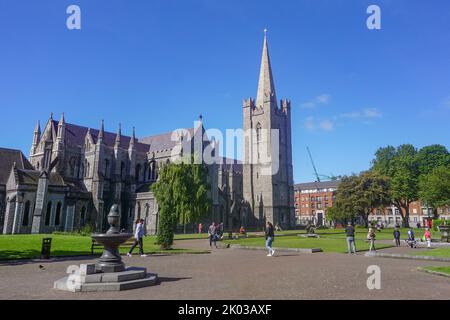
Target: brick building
(312, 199)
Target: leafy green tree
(359, 195)
(401, 166)
(434, 188)
(431, 157)
(182, 195)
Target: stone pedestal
(87, 279)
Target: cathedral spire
(101, 133)
(133, 139)
(61, 129)
(266, 86)
(37, 129)
(119, 135)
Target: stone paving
(241, 274)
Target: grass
(438, 252)
(14, 247)
(445, 270)
(326, 244)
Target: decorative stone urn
(445, 232)
(111, 261)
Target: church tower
(267, 169)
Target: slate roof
(7, 159)
(75, 134)
(162, 141)
(317, 185)
(31, 177)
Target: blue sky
(157, 65)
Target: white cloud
(312, 124)
(319, 100)
(364, 114)
(326, 125)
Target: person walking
(350, 232)
(200, 227)
(270, 237)
(397, 237)
(411, 238)
(212, 234)
(427, 236)
(138, 235)
(371, 238)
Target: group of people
(215, 233)
(351, 246)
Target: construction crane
(314, 167)
(332, 177)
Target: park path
(241, 274)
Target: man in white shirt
(138, 235)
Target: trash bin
(46, 247)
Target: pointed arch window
(106, 168)
(58, 214)
(26, 214)
(83, 217)
(138, 172)
(122, 170)
(48, 213)
(258, 132)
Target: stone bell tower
(267, 169)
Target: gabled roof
(31, 177)
(7, 159)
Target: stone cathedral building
(74, 174)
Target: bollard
(46, 247)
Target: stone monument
(109, 273)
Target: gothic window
(122, 170)
(258, 132)
(48, 213)
(26, 214)
(153, 170)
(145, 175)
(86, 168)
(82, 217)
(37, 166)
(82, 171)
(72, 164)
(58, 214)
(106, 168)
(138, 173)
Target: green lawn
(438, 252)
(445, 270)
(29, 246)
(326, 244)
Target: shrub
(438, 222)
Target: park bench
(95, 244)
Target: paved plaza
(240, 274)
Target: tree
(401, 166)
(182, 196)
(360, 195)
(434, 188)
(431, 157)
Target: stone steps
(131, 278)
